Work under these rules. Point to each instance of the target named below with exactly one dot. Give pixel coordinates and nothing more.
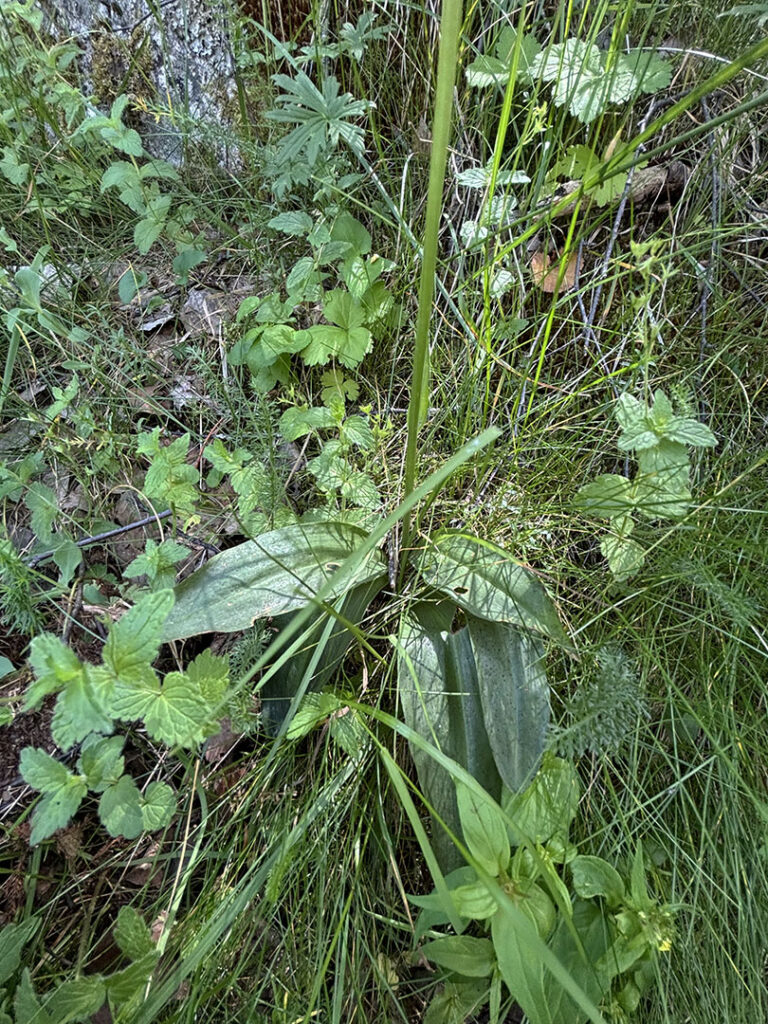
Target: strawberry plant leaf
(134, 640)
(158, 806)
(120, 809)
(62, 792)
(54, 665)
(102, 762)
(348, 341)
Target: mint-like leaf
(62, 791)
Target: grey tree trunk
(175, 58)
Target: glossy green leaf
(485, 832)
(489, 583)
(437, 686)
(132, 934)
(473, 958)
(13, 938)
(593, 876)
(514, 694)
(278, 573)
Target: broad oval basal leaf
(277, 573)
(488, 582)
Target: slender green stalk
(450, 26)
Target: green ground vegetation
(382, 553)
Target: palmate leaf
(322, 117)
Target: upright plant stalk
(450, 27)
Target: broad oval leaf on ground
(279, 572)
(488, 582)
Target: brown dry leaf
(158, 926)
(545, 274)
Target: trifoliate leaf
(102, 762)
(134, 640)
(63, 792)
(54, 665)
(158, 806)
(120, 809)
(348, 342)
(335, 384)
